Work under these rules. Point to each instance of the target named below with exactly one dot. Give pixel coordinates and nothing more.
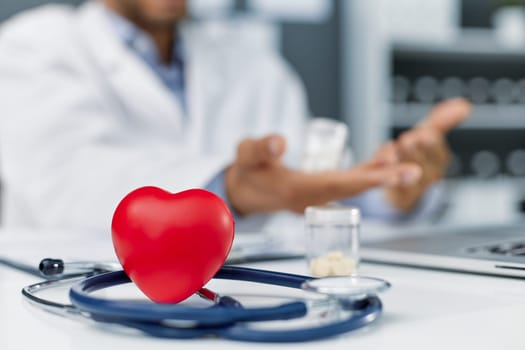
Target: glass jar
(332, 240)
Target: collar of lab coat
(126, 73)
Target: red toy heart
(169, 244)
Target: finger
(448, 114)
(426, 147)
(283, 188)
(387, 154)
(414, 144)
(402, 174)
(410, 147)
(266, 150)
(335, 185)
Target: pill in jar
(333, 263)
(332, 240)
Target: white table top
(423, 310)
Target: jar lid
(333, 214)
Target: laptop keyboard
(507, 249)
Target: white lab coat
(84, 121)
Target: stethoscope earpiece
(51, 267)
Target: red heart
(171, 245)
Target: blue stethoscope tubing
(229, 322)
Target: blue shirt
(138, 41)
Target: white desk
(423, 310)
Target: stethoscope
(354, 297)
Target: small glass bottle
(332, 240)
(325, 145)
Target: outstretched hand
(258, 182)
(426, 146)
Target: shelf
(477, 44)
(484, 116)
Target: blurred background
(380, 65)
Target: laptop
(495, 250)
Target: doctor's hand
(258, 182)
(426, 146)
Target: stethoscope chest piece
(352, 287)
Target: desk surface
(423, 310)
